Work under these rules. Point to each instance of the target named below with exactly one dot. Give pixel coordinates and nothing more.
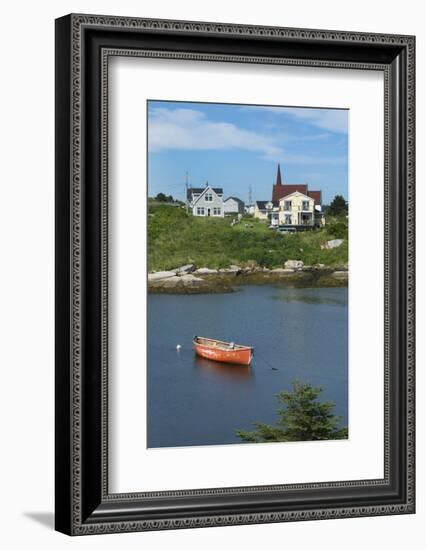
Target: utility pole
(250, 196)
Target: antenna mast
(186, 191)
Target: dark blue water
(303, 333)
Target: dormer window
(209, 197)
(269, 205)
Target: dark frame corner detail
(84, 43)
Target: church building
(291, 205)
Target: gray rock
(334, 243)
(170, 282)
(189, 268)
(282, 271)
(232, 270)
(191, 280)
(340, 274)
(205, 271)
(293, 264)
(158, 275)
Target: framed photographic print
(234, 274)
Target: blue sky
(237, 146)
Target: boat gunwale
(237, 347)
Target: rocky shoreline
(188, 279)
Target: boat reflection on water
(225, 370)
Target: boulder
(170, 282)
(340, 274)
(334, 243)
(191, 280)
(205, 271)
(293, 264)
(189, 268)
(232, 270)
(282, 271)
(158, 275)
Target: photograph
(248, 273)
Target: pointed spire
(278, 182)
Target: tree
(303, 419)
(338, 206)
(161, 197)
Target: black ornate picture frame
(84, 43)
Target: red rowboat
(224, 352)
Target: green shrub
(177, 238)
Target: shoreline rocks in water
(189, 280)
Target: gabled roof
(262, 204)
(235, 199)
(316, 195)
(200, 190)
(279, 191)
(295, 193)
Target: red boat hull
(239, 356)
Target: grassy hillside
(175, 238)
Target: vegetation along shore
(188, 254)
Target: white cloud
(190, 129)
(332, 120)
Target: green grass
(176, 238)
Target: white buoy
(178, 347)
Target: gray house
(206, 201)
(233, 205)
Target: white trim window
(217, 211)
(208, 197)
(287, 205)
(305, 205)
(200, 211)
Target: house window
(269, 205)
(287, 219)
(305, 205)
(287, 205)
(209, 197)
(200, 211)
(216, 212)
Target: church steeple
(278, 181)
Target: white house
(267, 210)
(233, 205)
(292, 204)
(297, 209)
(206, 201)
